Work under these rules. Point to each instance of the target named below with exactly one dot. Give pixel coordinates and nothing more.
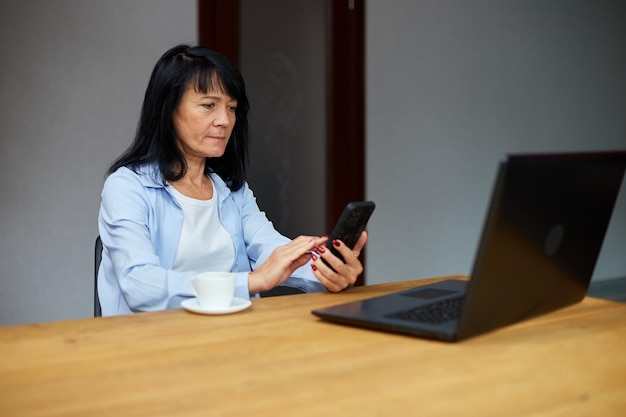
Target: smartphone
(350, 224)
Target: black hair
(155, 139)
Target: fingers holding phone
(340, 266)
(350, 225)
(337, 274)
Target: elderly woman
(176, 202)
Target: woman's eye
(208, 105)
(232, 108)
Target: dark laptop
(540, 242)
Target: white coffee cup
(214, 289)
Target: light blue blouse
(140, 224)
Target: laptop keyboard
(435, 313)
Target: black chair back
(97, 311)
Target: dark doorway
(343, 159)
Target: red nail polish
(336, 242)
(314, 257)
(313, 267)
(321, 249)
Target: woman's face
(203, 123)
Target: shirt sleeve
(131, 257)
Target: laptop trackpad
(441, 289)
(429, 293)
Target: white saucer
(238, 304)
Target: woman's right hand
(282, 263)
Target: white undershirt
(204, 243)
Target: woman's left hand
(345, 273)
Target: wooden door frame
(345, 147)
(218, 28)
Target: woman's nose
(221, 117)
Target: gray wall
(454, 84)
(450, 86)
(72, 80)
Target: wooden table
(277, 359)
